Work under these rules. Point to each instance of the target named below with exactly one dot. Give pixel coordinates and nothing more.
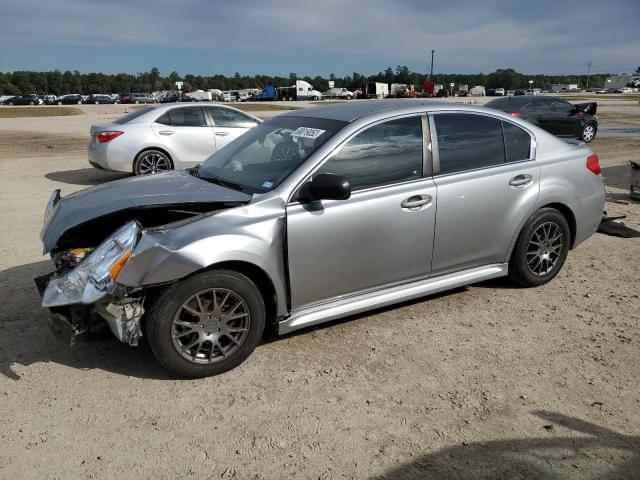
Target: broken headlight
(95, 276)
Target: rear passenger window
(517, 142)
(384, 154)
(164, 119)
(468, 142)
(187, 117)
(225, 117)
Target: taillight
(515, 114)
(104, 137)
(593, 164)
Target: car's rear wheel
(151, 161)
(59, 103)
(96, 102)
(588, 133)
(207, 324)
(541, 248)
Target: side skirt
(370, 300)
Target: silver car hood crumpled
(173, 188)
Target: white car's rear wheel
(150, 162)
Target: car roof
(352, 110)
(510, 102)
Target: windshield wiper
(222, 183)
(194, 171)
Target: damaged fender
(251, 234)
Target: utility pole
(431, 70)
(588, 72)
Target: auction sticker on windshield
(306, 132)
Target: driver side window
(384, 154)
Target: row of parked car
(77, 99)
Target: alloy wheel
(210, 326)
(153, 163)
(545, 248)
(588, 133)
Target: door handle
(416, 201)
(521, 180)
(222, 134)
(166, 132)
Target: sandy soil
(487, 381)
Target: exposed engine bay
(92, 234)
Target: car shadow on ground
(85, 176)
(590, 451)
(26, 339)
(23, 318)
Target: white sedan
(166, 137)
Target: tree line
(59, 83)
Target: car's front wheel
(588, 133)
(541, 248)
(207, 324)
(151, 161)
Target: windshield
(262, 158)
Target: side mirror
(325, 186)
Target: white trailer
(477, 91)
(398, 89)
(377, 90)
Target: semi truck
(377, 90)
(300, 91)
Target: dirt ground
(488, 381)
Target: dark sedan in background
(71, 99)
(99, 99)
(555, 115)
(30, 99)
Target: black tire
(139, 162)
(588, 132)
(160, 317)
(524, 257)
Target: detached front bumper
(67, 322)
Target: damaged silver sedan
(311, 216)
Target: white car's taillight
(107, 136)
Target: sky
(279, 37)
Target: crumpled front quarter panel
(252, 233)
